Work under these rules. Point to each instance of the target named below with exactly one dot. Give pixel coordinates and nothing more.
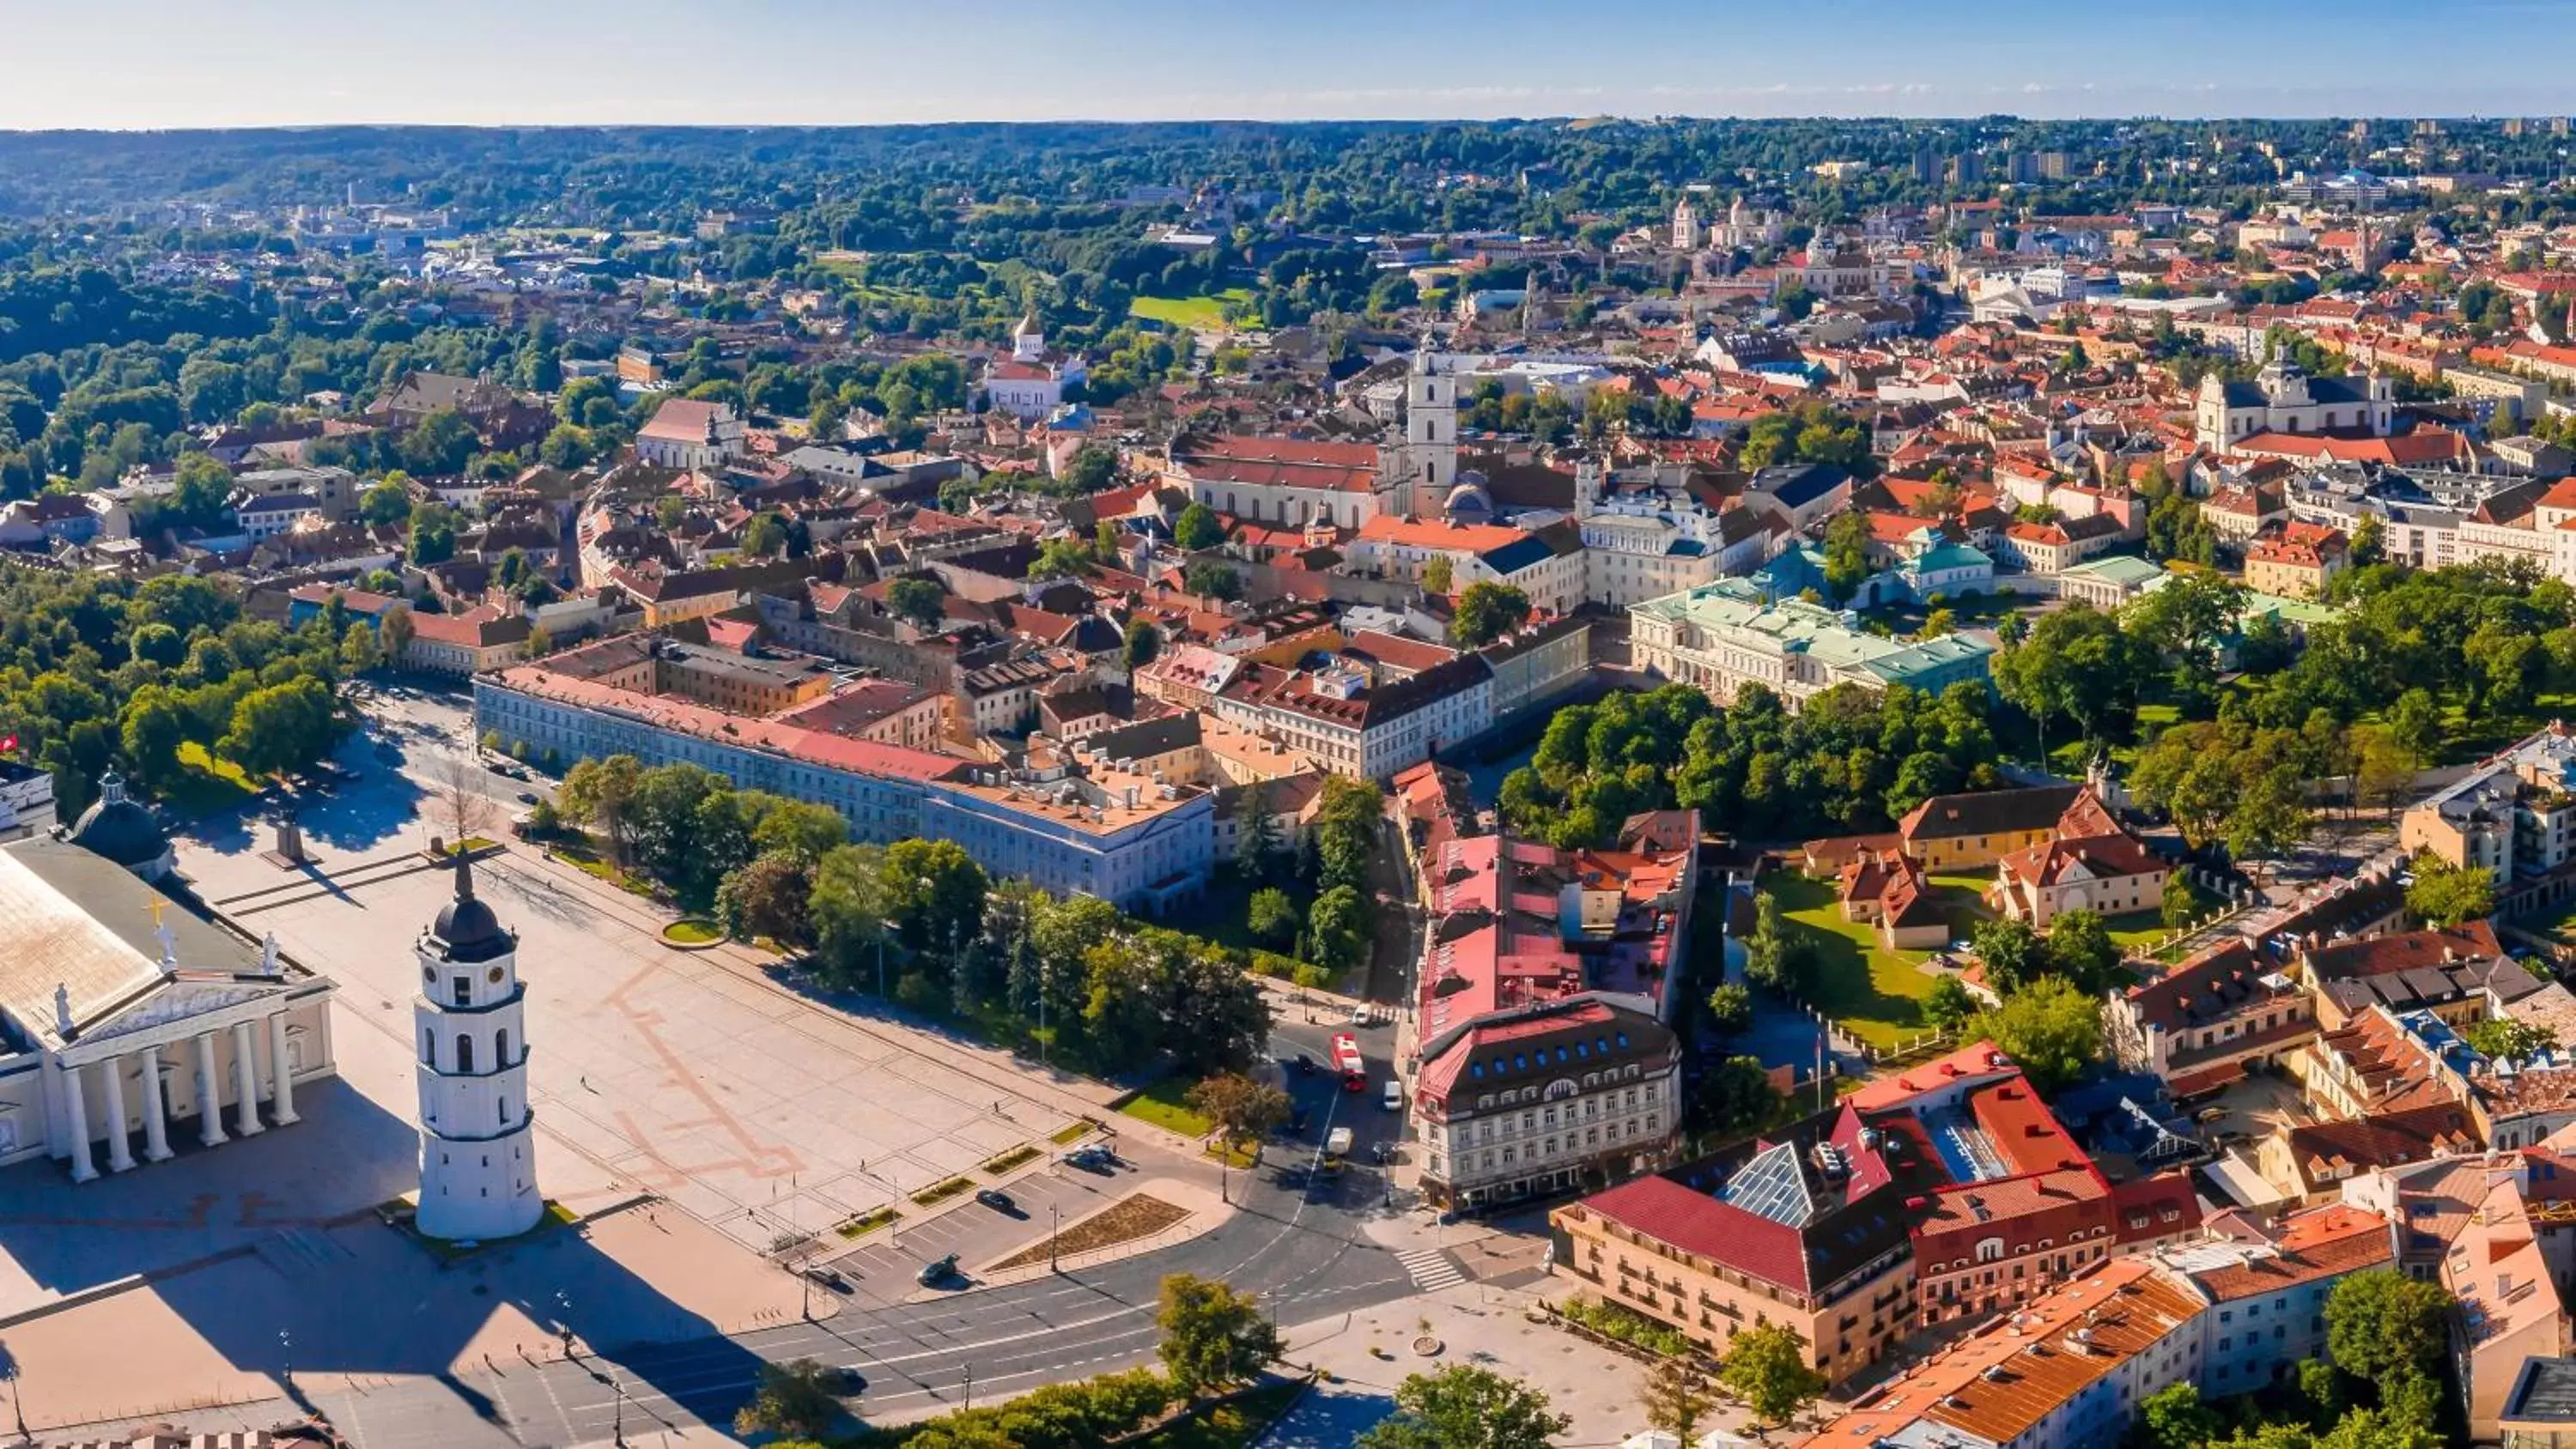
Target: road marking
(1431, 1269)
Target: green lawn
(1195, 314)
(1876, 993)
(690, 931)
(1161, 1105)
(207, 783)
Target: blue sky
(159, 63)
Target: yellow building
(1960, 832)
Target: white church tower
(1430, 430)
(1686, 232)
(478, 1167)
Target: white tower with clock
(478, 1167)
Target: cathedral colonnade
(118, 1089)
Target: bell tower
(478, 1169)
(1430, 429)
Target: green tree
(1143, 642)
(398, 631)
(1213, 1336)
(282, 727)
(1938, 623)
(1948, 1003)
(1846, 553)
(1273, 916)
(1240, 1107)
(1211, 579)
(798, 830)
(1730, 1009)
(2503, 1039)
(598, 793)
(1766, 1366)
(1439, 575)
(386, 502)
(1486, 611)
(2053, 1030)
(1775, 957)
(1465, 1407)
(768, 898)
(766, 536)
(1675, 1397)
(918, 600)
(2012, 952)
(934, 893)
(1198, 528)
(2080, 949)
(794, 1399)
(1337, 928)
(849, 908)
(1735, 1095)
(2382, 1325)
(1090, 469)
(2444, 894)
(2174, 1418)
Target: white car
(1360, 1016)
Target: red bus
(1346, 1060)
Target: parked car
(934, 1273)
(529, 797)
(996, 1199)
(830, 1278)
(1304, 1064)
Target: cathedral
(129, 1020)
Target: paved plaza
(682, 1074)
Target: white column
(283, 1108)
(77, 1108)
(210, 1096)
(245, 1082)
(156, 1127)
(120, 1156)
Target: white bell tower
(478, 1167)
(1430, 430)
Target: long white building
(1723, 636)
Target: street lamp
(563, 1303)
(286, 1360)
(619, 1385)
(17, 1405)
(1055, 1229)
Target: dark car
(1093, 1159)
(998, 1200)
(1304, 1064)
(830, 1278)
(933, 1274)
(528, 797)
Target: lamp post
(286, 1358)
(619, 1385)
(1055, 1230)
(17, 1405)
(563, 1321)
(970, 1385)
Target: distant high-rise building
(2053, 165)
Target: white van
(1394, 1095)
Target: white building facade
(478, 1155)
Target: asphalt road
(1306, 1260)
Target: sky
(154, 64)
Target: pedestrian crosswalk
(1431, 1269)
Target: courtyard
(1876, 992)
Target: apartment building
(1547, 1096)
(1946, 1191)
(1350, 726)
(2515, 814)
(1070, 827)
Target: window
(464, 1052)
(501, 1047)
(463, 989)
